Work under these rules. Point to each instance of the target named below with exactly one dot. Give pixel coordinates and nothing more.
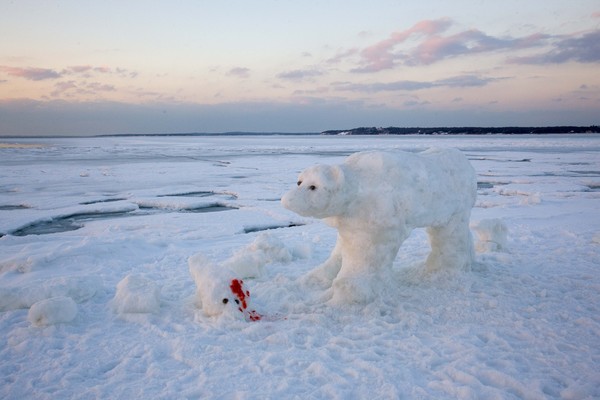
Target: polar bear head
(320, 192)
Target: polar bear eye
(299, 183)
(225, 301)
(312, 187)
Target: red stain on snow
(237, 288)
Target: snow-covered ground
(97, 299)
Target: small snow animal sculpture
(375, 199)
(218, 291)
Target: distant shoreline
(362, 131)
(509, 130)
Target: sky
(110, 67)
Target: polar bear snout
(295, 200)
(286, 200)
(316, 191)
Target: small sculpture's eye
(313, 187)
(299, 183)
(225, 301)
(237, 301)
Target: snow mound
(492, 235)
(137, 294)
(79, 289)
(249, 261)
(54, 310)
(216, 288)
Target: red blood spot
(236, 289)
(254, 316)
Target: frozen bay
(78, 215)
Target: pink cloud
(30, 73)
(380, 55)
(426, 42)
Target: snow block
(54, 310)
(492, 235)
(137, 294)
(249, 262)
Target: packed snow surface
(98, 300)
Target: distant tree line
(509, 130)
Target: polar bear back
(415, 190)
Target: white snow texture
(116, 254)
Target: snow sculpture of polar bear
(375, 199)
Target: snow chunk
(491, 234)
(249, 261)
(54, 310)
(137, 294)
(79, 289)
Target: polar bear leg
(451, 244)
(325, 273)
(365, 270)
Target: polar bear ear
(337, 174)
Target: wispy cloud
(85, 71)
(299, 74)
(429, 41)
(71, 88)
(416, 103)
(460, 81)
(31, 73)
(341, 55)
(584, 48)
(89, 70)
(240, 72)
(62, 87)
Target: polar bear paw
(317, 278)
(353, 290)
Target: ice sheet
(522, 324)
